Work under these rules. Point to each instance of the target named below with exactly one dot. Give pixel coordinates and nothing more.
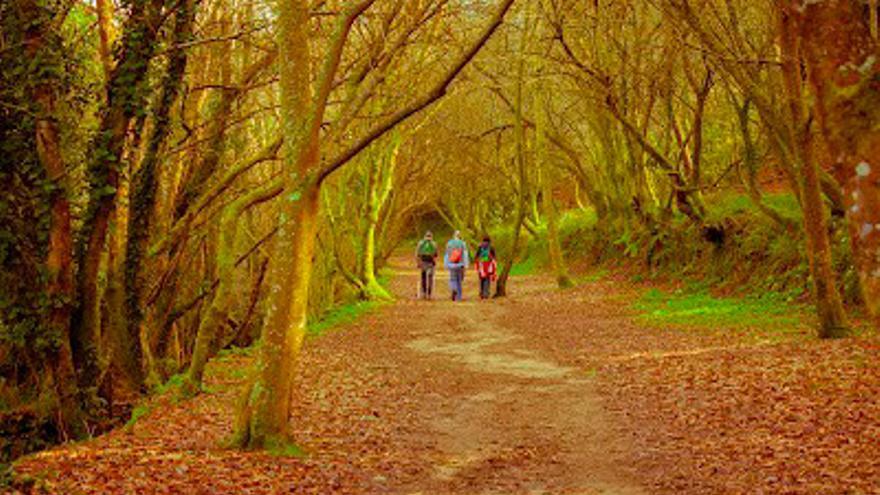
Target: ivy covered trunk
(125, 91)
(40, 43)
(844, 72)
(143, 199)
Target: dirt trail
(516, 420)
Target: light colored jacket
(465, 256)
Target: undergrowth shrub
(750, 254)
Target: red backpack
(455, 255)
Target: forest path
(543, 392)
(419, 397)
(504, 416)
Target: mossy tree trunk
(335, 233)
(263, 417)
(380, 179)
(832, 319)
(842, 56)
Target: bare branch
(435, 94)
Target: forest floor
(545, 392)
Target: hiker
(456, 261)
(426, 254)
(486, 266)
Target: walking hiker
(426, 254)
(486, 266)
(456, 261)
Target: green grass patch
(525, 267)
(341, 315)
(731, 205)
(701, 309)
(596, 275)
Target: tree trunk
(263, 417)
(832, 319)
(554, 248)
(522, 191)
(59, 256)
(104, 9)
(125, 91)
(379, 182)
(842, 57)
(143, 197)
(218, 311)
(115, 348)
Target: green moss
(137, 413)
(173, 384)
(280, 448)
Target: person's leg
(430, 282)
(424, 284)
(460, 284)
(453, 281)
(484, 288)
